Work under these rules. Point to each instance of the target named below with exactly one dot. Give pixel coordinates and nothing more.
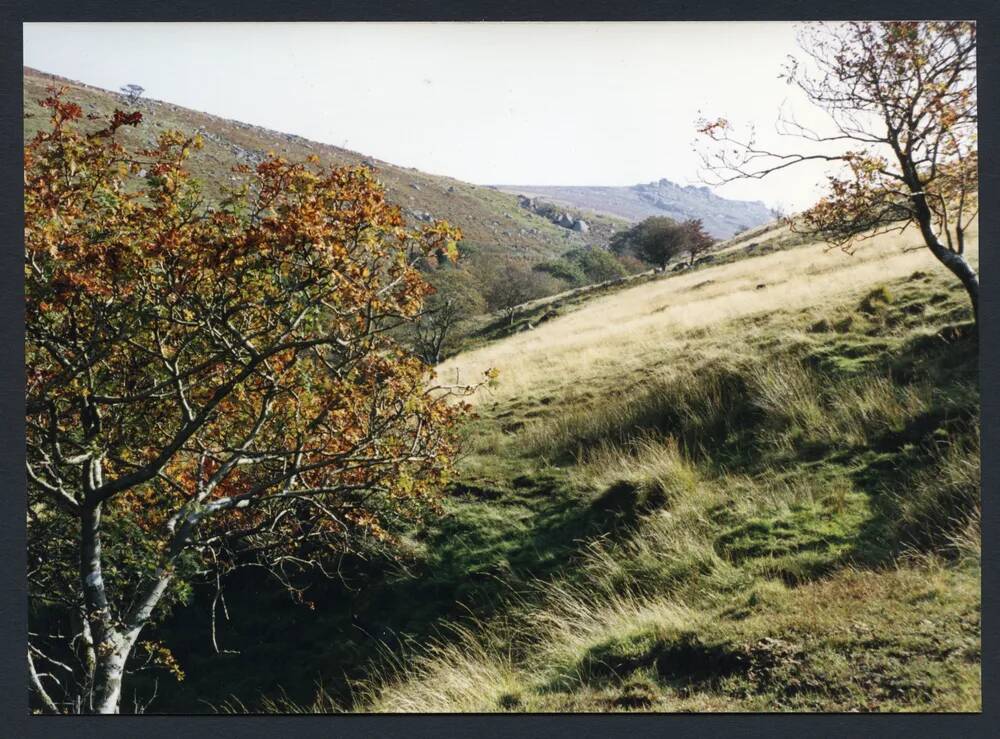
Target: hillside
(749, 487)
(766, 476)
(311, 432)
(722, 217)
(492, 221)
(752, 485)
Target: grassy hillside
(491, 221)
(691, 493)
(750, 486)
(778, 498)
(766, 239)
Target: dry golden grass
(461, 675)
(780, 565)
(740, 571)
(633, 330)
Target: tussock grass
(802, 512)
(940, 505)
(804, 404)
(575, 625)
(674, 554)
(657, 464)
(694, 406)
(464, 672)
(723, 499)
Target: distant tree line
(483, 283)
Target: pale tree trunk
(959, 267)
(112, 644)
(113, 640)
(109, 663)
(111, 671)
(954, 260)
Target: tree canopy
(658, 240)
(457, 297)
(513, 283)
(208, 386)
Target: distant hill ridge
(722, 217)
(492, 221)
(490, 216)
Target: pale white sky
(490, 103)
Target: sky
(489, 103)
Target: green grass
(871, 649)
(799, 533)
(792, 527)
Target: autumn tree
(208, 386)
(694, 240)
(900, 98)
(514, 284)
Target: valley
(750, 483)
(689, 494)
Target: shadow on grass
(498, 536)
(492, 542)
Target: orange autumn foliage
(219, 380)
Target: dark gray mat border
(13, 693)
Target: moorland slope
(751, 487)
